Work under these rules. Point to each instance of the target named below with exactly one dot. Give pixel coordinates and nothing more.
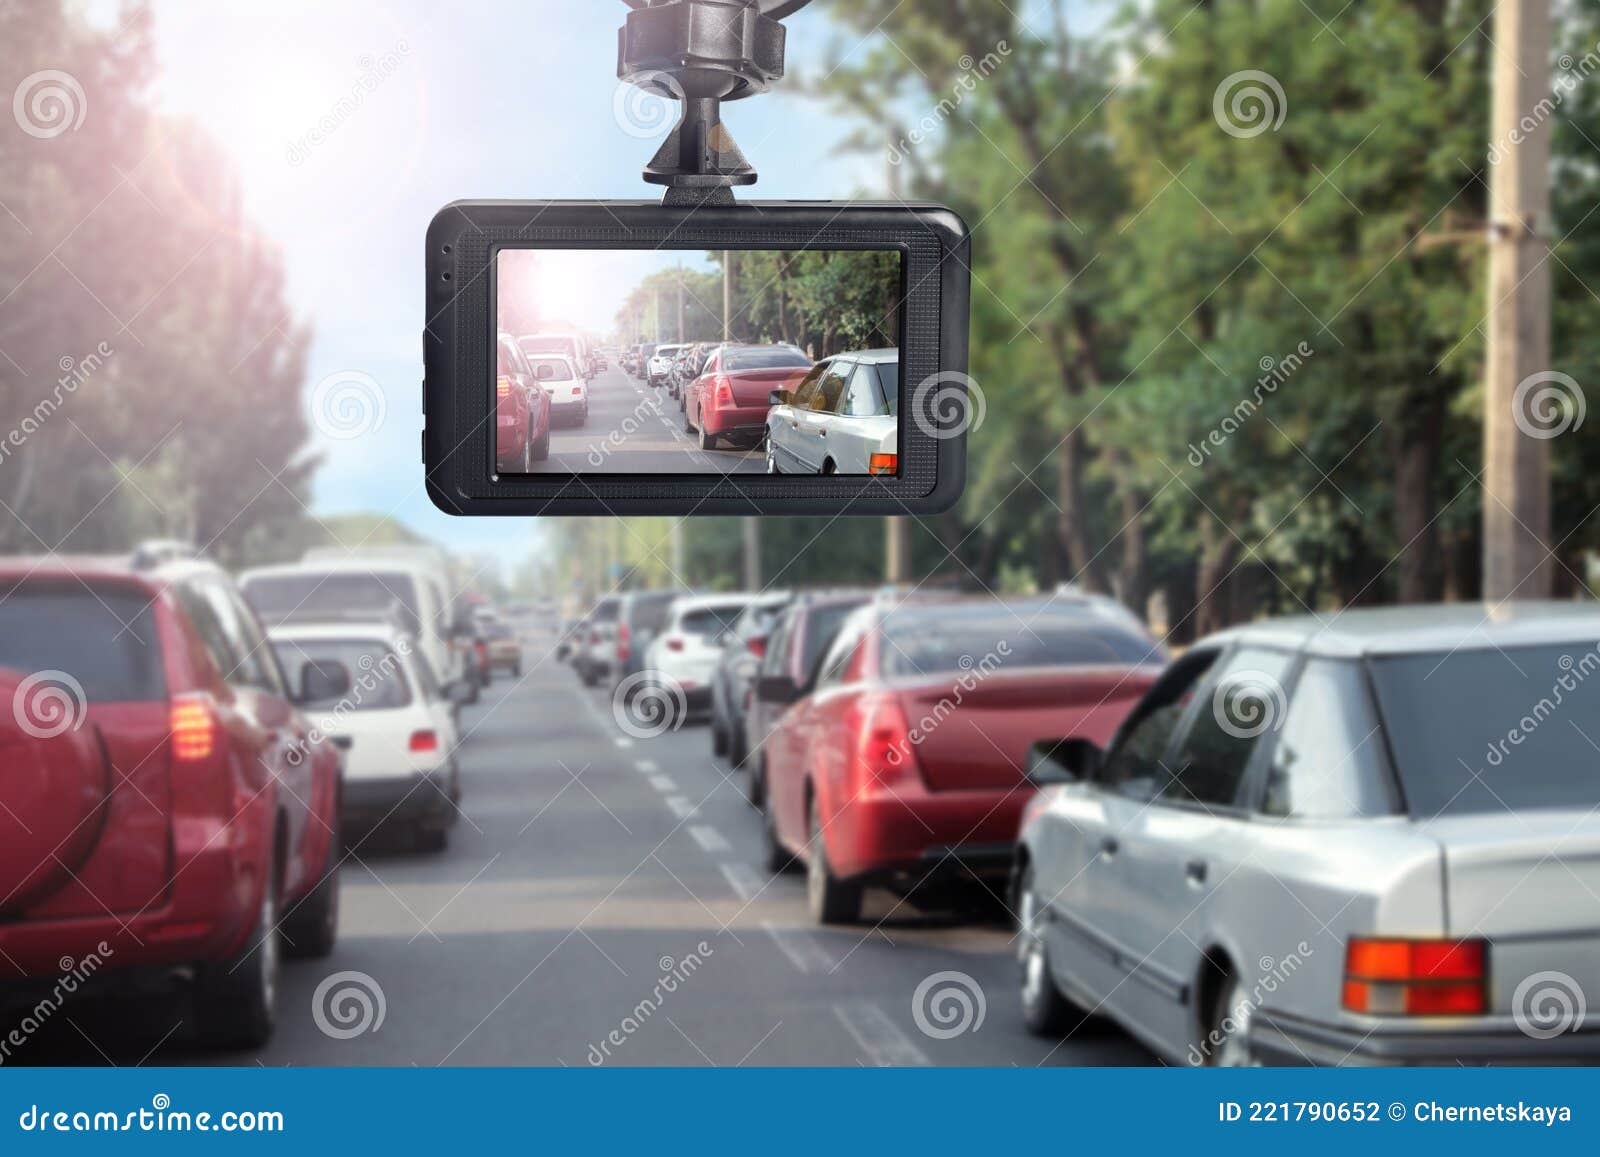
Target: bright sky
(584, 288)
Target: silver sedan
(842, 419)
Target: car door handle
(1195, 871)
(1109, 846)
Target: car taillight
(1416, 977)
(883, 747)
(424, 741)
(675, 644)
(194, 730)
(724, 394)
(757, 646)
(624, 643)
(594, 637)
(502, 386)
(883, 464)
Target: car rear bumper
(915, 833)
(425, 797)
(1280, 1038)
(747, 422)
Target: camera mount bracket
(701, 53)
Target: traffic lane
(901, 983)
(637, 429)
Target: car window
(1241, 701)
(934, 640)
(821, 625)
(1135, 765)
(260, 664)
(214, 636)
(808, 394)
(710, 621)
(837, 658)
(831, 386)
(1327, 760)
(774, 661)
(320, 596)
(605, 611)
(861, 399)
(103, 636)
(764, 358)
(889, 385)
(377, 678)
(551, 369)
(250, 665)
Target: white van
(569, 345)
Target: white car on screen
(564, 384)
(395, 727)
(844, 418)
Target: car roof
(341, 566)
(337, 632)
(868, 357)
(699, 602)
(1414, 629)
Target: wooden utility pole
(1516, 479)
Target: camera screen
(693, 362)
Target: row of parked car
(187, 753)
(1371, 837)
(540, 379)
(837, 416)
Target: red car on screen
(521, 411)
(731, 397)
(901, 761)
(167, 808)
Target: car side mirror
(777, 689)
(1058, 761)
(322, 681)
(779, 398)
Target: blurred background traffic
(1155, 747)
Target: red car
(521, 412)
(166, 806)
(902, 761)
(732, 395)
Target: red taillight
(1388, 977)
(624, 643)
(194, 730)
(884, 751)
(675, 643)
(757, 646)
(724, 394)
(883, 464)
(423, 742)
(502, 386)
(594, 638)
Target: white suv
(683, 657)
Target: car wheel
(1230, 1024)
(236, 1001)
(1044, 1010)
(311, 928)
(772, 459)
(736, 749)
(719, 737)
(541, 448)
(831, 900)
(775, 857)
(755, 785)
(516, 670)
(708, 441)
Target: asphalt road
(588, 869)
(635, 429)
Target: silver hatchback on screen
(1366, 839)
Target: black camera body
(468, 242)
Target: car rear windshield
(103, 637)
(312, 595)
(710, 620)
(650, 612)
(1486, 731)
(548, 369)
(938, 640)
(771, 358)
(377, 680)
(605, 611)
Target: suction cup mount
(701, 53)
